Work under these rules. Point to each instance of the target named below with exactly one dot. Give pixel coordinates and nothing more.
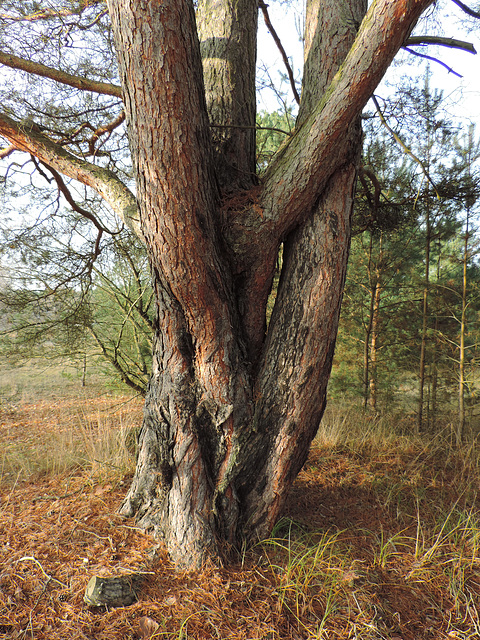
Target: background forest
(408, 339)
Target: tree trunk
(291, 386)
(368, 328)
(374, 344)
(231, 410)
(199, 397)
(225, 432)
(434, 377)
(228, 31)
(423, 347)
(463, 329)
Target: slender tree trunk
(375, 328)
(433, 404)
(368, 329)
(423, 347)
(366, 353)
(374, 345)
(463, 327)
(434, 377)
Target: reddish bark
(236, 411)
(231, 410)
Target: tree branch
(256, 127)
(424, 55)
(279, 44)
(27, 137)
(114, 361)
(108, 128)
(45, 14)
(38, 69)
(324, 141)
(463, 7)
(62, 187)
(441, 42)
(308, 159)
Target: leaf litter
(361, 551)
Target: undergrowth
(83, 431)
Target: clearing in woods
(380, 537)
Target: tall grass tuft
(311, 572)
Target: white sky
(465, 92)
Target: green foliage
(272, 131)
(103, 310)
(404, 204)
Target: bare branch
(38, 69)
(94, 21)
(62, 187)
(108, 128)
(113, 359)
(278, 42)
(424, 55)
(463, 7)
(415, 41)
(364, 172)
(256, 127)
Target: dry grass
(57, 435)
(380, 538)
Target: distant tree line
(409, 330)
(408, 335)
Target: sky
(464, 92)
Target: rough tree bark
(230, 414)
(231, 408)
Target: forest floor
(380, 537)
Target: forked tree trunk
(231, 411)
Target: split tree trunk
(231, 411)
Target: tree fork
(231, 452)
(230, 413)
